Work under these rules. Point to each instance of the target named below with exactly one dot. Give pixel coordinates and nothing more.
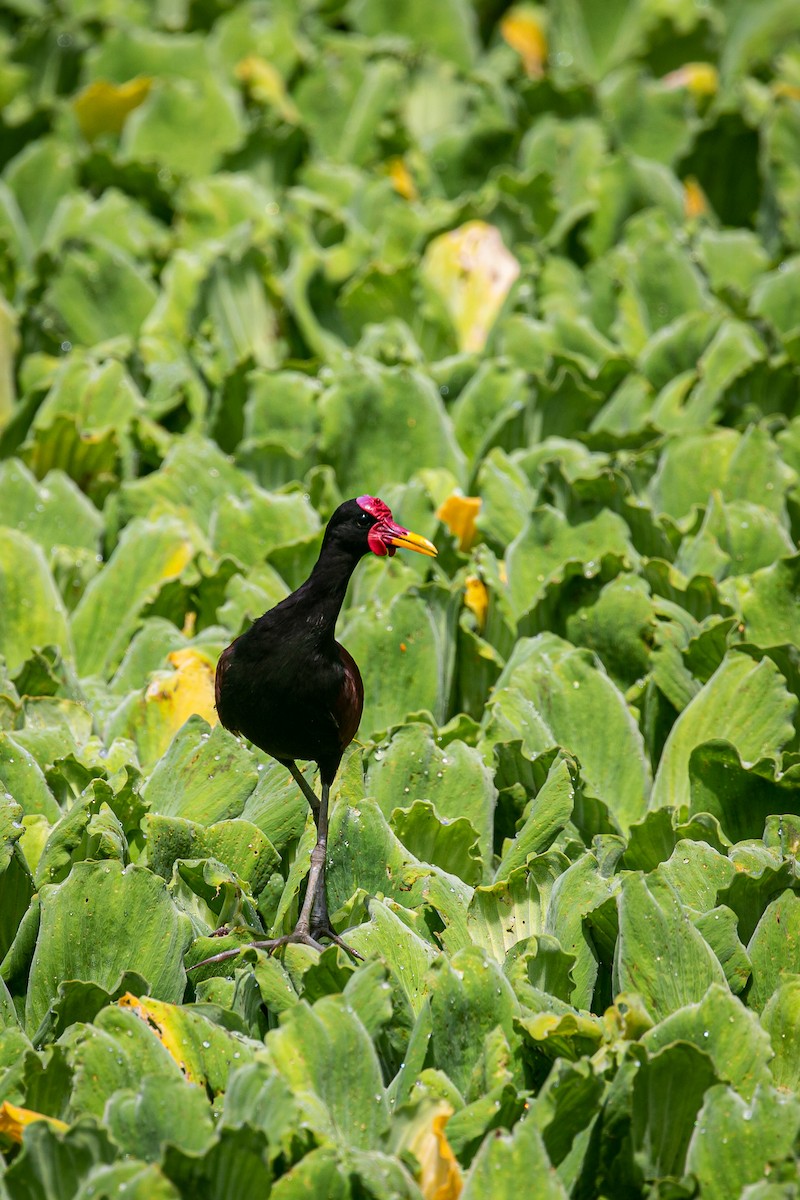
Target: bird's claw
(334, 938)
(297, 937)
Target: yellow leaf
(103, 107)
(177, 560)
(788, 90)
(186, 690)
(402, 179)
(473, 273)
(440, 1175)
(458, 513)
(265, 85)
(15, 1120)
(523, 29)
(695, 203)
(699, 78)
(476, 598)
(160, 1017)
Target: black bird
(289, 687)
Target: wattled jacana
(289, 687)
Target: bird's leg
(313, 922)
(305, 788)
(314, 919)
(314, 913)
(317, 873)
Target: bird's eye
(364, 519)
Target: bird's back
(289, 690)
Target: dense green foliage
(565, 842)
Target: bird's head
(366, 523)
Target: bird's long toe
(334, 938)
(298, 937)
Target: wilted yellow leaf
(187, 690)
(458, 513)
(177, 560)
(476, 598)
(15, 1120)
(266, 86)
(695, 203)
(473, 272)
(423, 1133)
(523, 29)
(789, 91)
(402, 179)
(700, 78)
(103, 107)
(160, 1017)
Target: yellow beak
(413, 541)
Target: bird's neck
(326, 586)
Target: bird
(291, 689)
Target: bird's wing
(219, 683)
(349, 703)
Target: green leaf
(100, 921)
(450, 844)
(543, 820)
(550, 548)
(578, 890)
(99, 292)
(233, 1165)
(238, 844)
(618, 625)
(733, 259)
(199, 757)
(257, 1096)
(779, 1019)
(506, 1163)
(726, 1031)
(53, 1165)
(54, 512)
(569, 689)
(23, 778)
(774, 947)
(741, 797)
(736, 1141)
(39, 177)
(719, 927)
(450, 32)
(743, 702)
(696, 870)
(161, 1111)
(667, 1094)
(565, 1106)
(113, 1052)
(404, 661)
(470, 996)
(515, 908)
(659, 952)
(328, 1060)
(768, 599)
(202, 115)
(453, 778)
(407, 955)
(730, 355)
(29, 595)
(380, 424)
(192, 478)
(148, 556)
